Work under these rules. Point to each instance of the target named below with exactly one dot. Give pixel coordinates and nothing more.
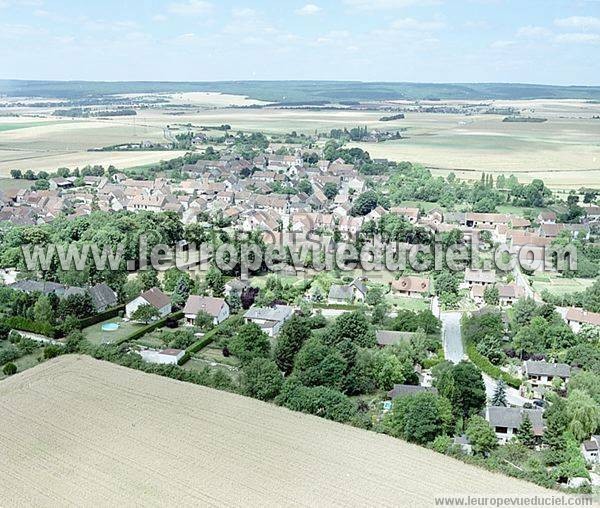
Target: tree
(318, 364)
(319, 400)
(482, 437)
(354, 326)
(250, 342)
(463, 386)
(525, 433)
(491, 295)
(204, 321)
(499, 396)
(215, 281)
(294, 333)
(9, 369)
(419, 418)
(446, 283)
(364, 203)
(4, 331)
(181, 291)
(42, 310)
(77, 305)
(145, 313)
(261, 379)
(584, 414)
(330, 190)
(148, 279)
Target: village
(525, 344)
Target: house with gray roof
(506, 421)
(356, 291)
(103, 297)
(269, 319)
(391, 337)
(590, 449)
(540, 373)
(402, 390)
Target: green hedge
(203, 342)
(26, 325)
(336, 306)
(489, 368)
(150, 327)
(102, 316)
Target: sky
(527, 41)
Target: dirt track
(76, 431)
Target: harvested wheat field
(76, 431)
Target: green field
(26, 362)
(559, 285)
(95, 334)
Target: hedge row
(27, 325)
(336, 306)
(203, 342)
(102, 316)
(489, 368)
(150, 327)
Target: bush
(26, 325)
(9, 369)
(491, 370)
(52, 351)
(102, 316)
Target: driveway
(513, 397)
(451, 336)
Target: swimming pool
(110, 327)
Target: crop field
(564, 151)
(100, 434)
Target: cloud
(159, 18)
(533, 32)
(415, 25)
(308, 10)
(578, 38)
(579, 22)
(388, 4)
(190, 8)
(502, 44)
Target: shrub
(9, 369)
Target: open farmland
(79, 431)
(564, 151)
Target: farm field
(564, 151)
(102, 434)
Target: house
(480, 277)
(391, 338)
(543, 373)
(506, 421)
(165, 356)
(103, 297)
(344, 294)
(270, 319)
(576, 318)
(153, 297)
(546, 218)
(402, 390)
(591, 450)
(411, 286)
(235, 287)
(507, 293)
(217, 308)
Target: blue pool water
(110, 327)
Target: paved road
(453, 347)
(454, 352)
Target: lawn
(404, 303)
(96, 335)
(559, 285)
